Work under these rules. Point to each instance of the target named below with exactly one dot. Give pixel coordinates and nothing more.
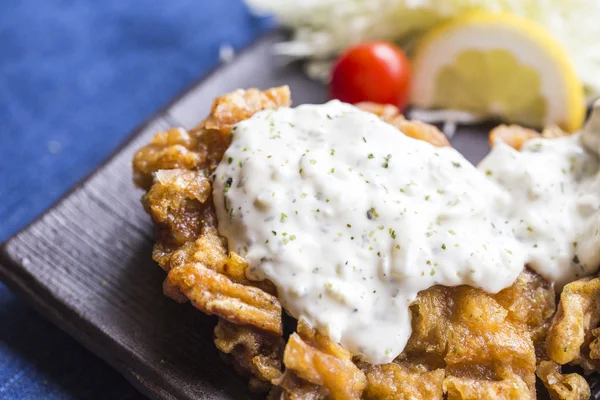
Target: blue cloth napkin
(75, 78)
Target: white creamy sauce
(553, 207)
(350, 219)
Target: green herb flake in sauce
(372, 213)
(387, 159)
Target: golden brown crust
(572, 337)
(567, 386)
(414, 129)
(175, 169)
(469, 334)
(513, 135)
(214, 293)
(399, 381)
(530, 303)
(253, 353)
(172, 149)
(203, 146)
(319, 361)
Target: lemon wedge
(501, 66)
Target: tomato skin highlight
(372, 71)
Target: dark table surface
(75, 79)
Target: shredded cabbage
(323, 28)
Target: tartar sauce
(553, 204)
(350, 219)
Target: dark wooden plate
(86, 263)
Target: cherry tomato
(372, 71)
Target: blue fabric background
(75, 78)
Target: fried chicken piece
(180, 205)
(253, 353)
(173, 149)
(290, 387)
(465, 343)
(241, 104)
(386, 112)
(214, 293)
(513, 135)
(174, 169)
(562, 386)
(414, 129)
(470, 333)
(510, 386)
(573, 334)
(203, 146)
(530, 303)
(484, 343)
(462, 337)
(319, 361)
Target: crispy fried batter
(203, 146)
(241, 104)
(399, 381)
(562, 386)
(530, 302)
(252, 352)
(178, 205)
(465, 342)
(174, 169)
(470, 334)
(384, 111)
(291, 387)
(513, 135)
(167, 150)
(572, 335)
(414, 129)
(214, 293)
(318, 360)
